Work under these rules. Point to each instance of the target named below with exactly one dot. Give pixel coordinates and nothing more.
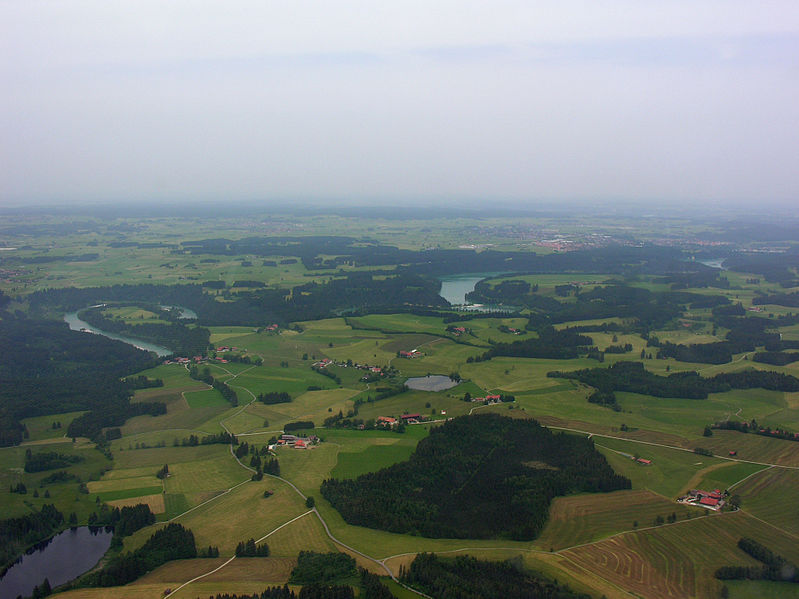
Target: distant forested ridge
(646, 309)
(51, 369)
(479, 476)
(256, 307)
(465, 577)
(632, 377)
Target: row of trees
(775, 567)
(205, 376)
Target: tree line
(465, 577)
(632, 377)
(775, 567)
(206, 377)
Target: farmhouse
(644, 462)
(711, 500)
(411, 418)
(414, 353)
(386, 421)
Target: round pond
(431, 382)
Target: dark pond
(61, 559)
(431, 382)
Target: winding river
(76, 324)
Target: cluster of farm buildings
(373, 370)
(391, 422)
(710, 500)
(201, 359)
(295, 442)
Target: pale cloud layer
(379, 101)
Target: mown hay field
(771, 496)
(756, 448)
(678, 560)
(585, 518)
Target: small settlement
(295, 442)
(710, 500)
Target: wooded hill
(478, 476)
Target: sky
(386, 102)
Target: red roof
(492, 396)
(409, 416)
(709, 501)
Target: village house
(711, 500)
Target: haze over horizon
(355, 102)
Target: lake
(61, 559)
(431, 382)
(455, 287)
(76, 324)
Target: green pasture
(207, 398)
(761, 589)
(371, 453)
(293, 380)
(67, 496)
(133, 315)
(427, 403)
(727, 475)
(399, 323)
(179, 416)
(41, 427)
(671, 469)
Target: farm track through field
(721, 457)
(300, 493)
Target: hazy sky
(381, 101)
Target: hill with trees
(478, 476)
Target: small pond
(61, 559)
(431, 382)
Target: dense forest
(168, 543)
(465, 577)
(550, 343)
(479, 476)
(322, 567)
(52, 369)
